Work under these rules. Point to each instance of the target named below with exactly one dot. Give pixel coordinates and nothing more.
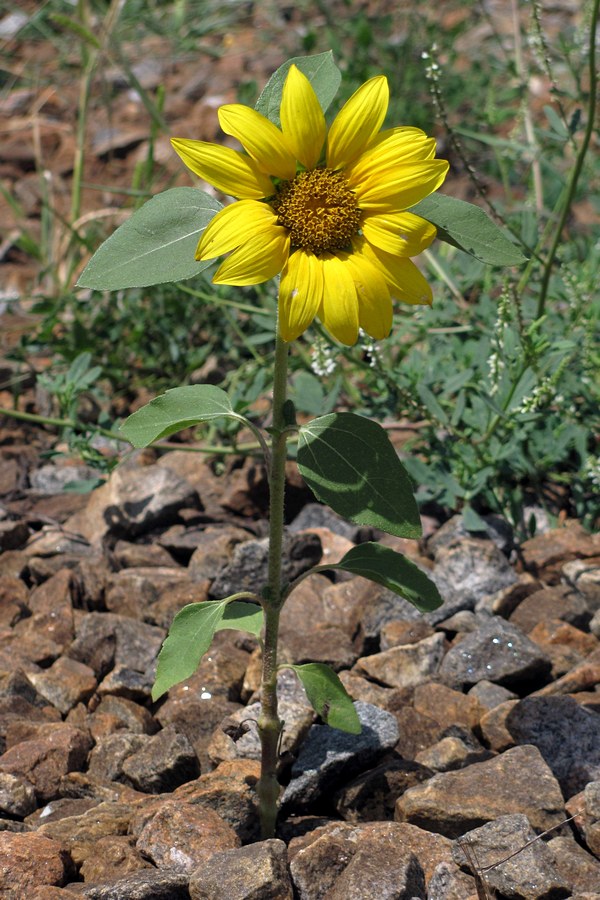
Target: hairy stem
(269, 723)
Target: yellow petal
(300, 293)
(389, 149)
(232, 226)
(402, 234)
(339, 309)
(302, 119)
(224, 168)
(374, 300)
(406, 282)
(258, 259)
(357, 122)
(400, 187)
(260, 138)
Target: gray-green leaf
(467, 227)
(156, 245)
(349, 463)
(328, 697)
(321, 71)
(175, 410)
(394, 571)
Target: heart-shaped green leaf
(175, 410)
(321, 71)
(157, 244)
(394, 571)
(349, 463)
(328, 696)
(467, 227)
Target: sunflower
(326, 209)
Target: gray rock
(381, 607)
(248, 568)
(256, 872)
(491, 695)
(107, 758)
(163, 762)
(498, 652)
(566, 734)
(328, 756)
(147, 884)
(517, 781)
(134, 500)
(315, 515)
(107, 639)
(529, 874)
(466, 572)
(448, 882)
(51, 479)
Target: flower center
(319, 209)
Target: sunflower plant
(337, 213)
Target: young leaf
(328, 697)
(176, 409)
(321, 71)
(393, 571)
(242, 617)
(349, 463)
(157, 244)
(467, 227)
(189, 638)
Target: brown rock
(545, 554)
(182, 836)
(579, 868)
(361, 688)
(372, 796)
(17, 797)
(585, 675)
(494, 727)
(13, 600)
(558, 602)
(452, 752)
(259, 870)
(565, 645)
(417, 732)
(112, 857)
(132, 592)
(163, 762)
(32, 860)
(358, 861)
(231, 791)
(447, 706)
(136, 556)
(399, 632)
(65, 684)
(81, 833)
(405, 666)
(454, 802)
(43, 760)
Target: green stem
(269, 723)
(576, 171)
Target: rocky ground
(481, 723)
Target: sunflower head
(325, 209)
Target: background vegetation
(495, 388)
